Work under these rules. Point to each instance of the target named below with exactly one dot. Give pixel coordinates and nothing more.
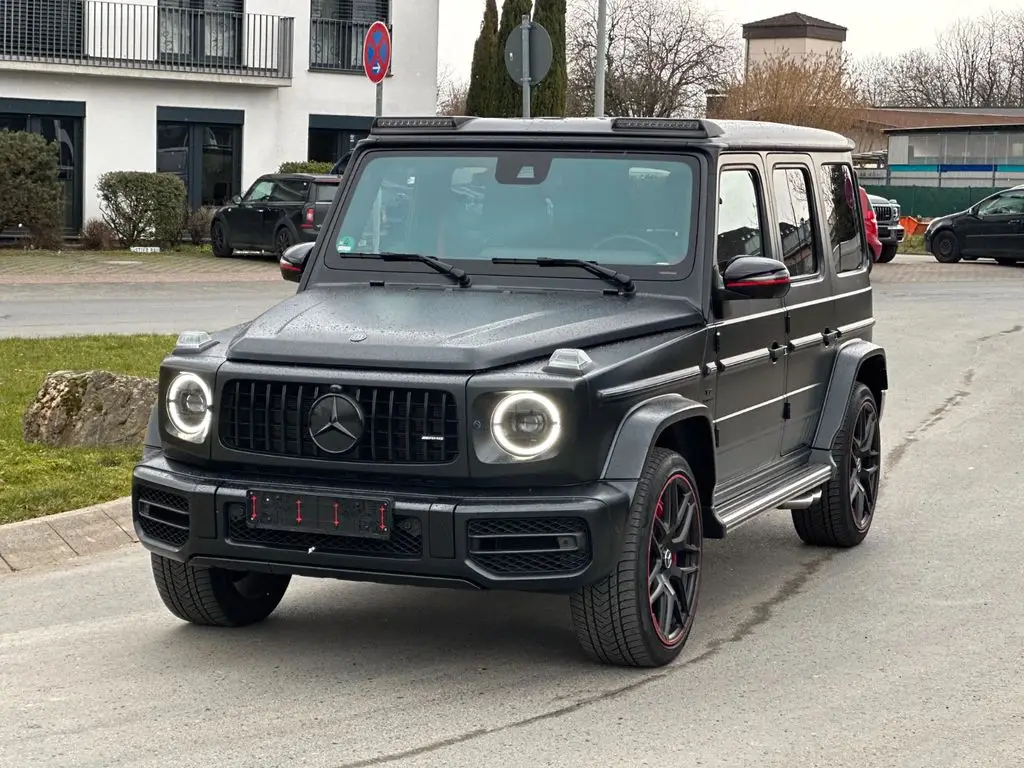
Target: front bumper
(891, 234)
(541, 540)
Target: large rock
(90, 408)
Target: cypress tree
(508, 93)
(480, 100)
(549, 95)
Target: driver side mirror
(236, 199)
(755, 277)
(293, 261)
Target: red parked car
(870, 225)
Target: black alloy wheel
(642, 612)
(843, 515)
(282, 241)
(673, 560)
(865, 465)
(219, 240)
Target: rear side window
(792, 188)
(324, 193)
(290, 191)
(839, 201)
(740, 231)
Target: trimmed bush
(306, 166)
(98, 236)
(141, 206)
(30, 191)
(198, 224)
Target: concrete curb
(55, 539)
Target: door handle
(775, 351)
(828, 335)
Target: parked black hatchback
(992, 228)
(278, 211)
(584, 348)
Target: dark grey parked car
(586, 347)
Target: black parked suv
(278, 211)
(587, 346)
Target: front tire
(641, 614)
(945, 248)
(216, 597)
(843, 516)
(219, 241)
(888, 254)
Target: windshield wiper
(458, 275)
(622, 281)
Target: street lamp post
(602, 57)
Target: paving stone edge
(66, 536)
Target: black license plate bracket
(348, 515)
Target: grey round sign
(541, 53)
(336, 423)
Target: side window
(290, 191)
(740, 229)
(1009, 204)
(839, 193)
(796, 225)
(261, 190)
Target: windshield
(612, 208)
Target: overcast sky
(873, 27)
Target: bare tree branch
(451, 92)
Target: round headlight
(526, 424)
(188, 406)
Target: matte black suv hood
(457, 330)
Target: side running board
(796, 492)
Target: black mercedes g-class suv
(585, 347)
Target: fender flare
(152, 439)
(850, 361)
(640, 429)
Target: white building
(217, 91)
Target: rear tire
(641, 614)
(219, 241)
(843, 516)
(888, 254)
(283, 240)
(216, 597)
(945, 248)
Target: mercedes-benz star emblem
(336, 423)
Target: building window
(203, 149)
(337, 29)
(740, 230)
(60, 122)
(796, 225)
(201, 32)
(955, 149)
(925, 149)
(331, 137)
(840, 201)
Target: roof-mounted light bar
(697, 129)
(416, 124)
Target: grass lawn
(36, 480)
(912, 244)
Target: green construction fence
(929, 202)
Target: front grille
(884, 212)
(529, 546)
(402, 426)
(163, 516)
(406, 539)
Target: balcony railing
(336, 45)
(98, 33)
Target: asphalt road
(904, 652)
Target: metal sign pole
(525, 29)
(380, 99)
(602, 57)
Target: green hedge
(142, 206)
(30, 190)
(929, 202)
(305, 166)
